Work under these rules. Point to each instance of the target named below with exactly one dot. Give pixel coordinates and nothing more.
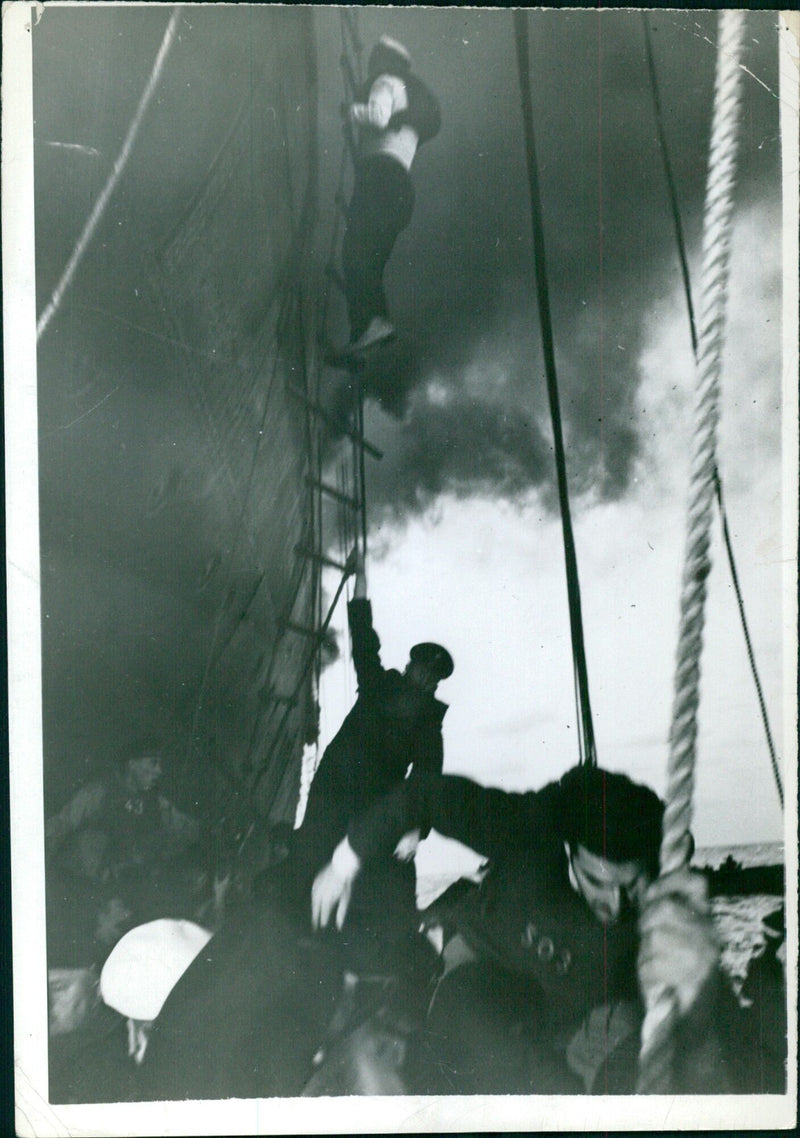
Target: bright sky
(486, 578)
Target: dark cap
(435, 657)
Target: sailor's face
(609, 888)
(144, 772)
(422, 676)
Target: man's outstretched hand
(329, 892)
(406, 848)
(333, 885)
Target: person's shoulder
(95, 788)
(438, 708)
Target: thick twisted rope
(687, 288)
(655, 1062)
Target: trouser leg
(379, 210)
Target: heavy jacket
(392, 725)
(525, 917)
(396, 116)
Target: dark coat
(391, 727)
(525, 917)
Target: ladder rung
(345, 499)
(303, 551)
(323, 414)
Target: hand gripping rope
(655, 1060)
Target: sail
(174, 454)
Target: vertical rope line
(673, 193)
(362, 471)
(687, 288)
(122, 158)
(542, 293)
(657, 1029)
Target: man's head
(142, 767)
(612, 832)
(427, 665)
(610, 888)
(389, 57)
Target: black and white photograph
(401, 498)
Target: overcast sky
(465, 544)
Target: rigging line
(173, 341)
(116, 172)
(687, 288)
(344, 515)
(673, 193)
(350, 22)
(296, 309)
(750, 654)
(315, 460)
(573, 585)
(298, 685)
(307, 664)
(362, 473)
(576, 696)
(314, 656)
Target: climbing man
(395, 113)
(560, 944)
(396, 722)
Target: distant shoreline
(429, 886)
(748, 854)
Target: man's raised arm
(364, 641)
